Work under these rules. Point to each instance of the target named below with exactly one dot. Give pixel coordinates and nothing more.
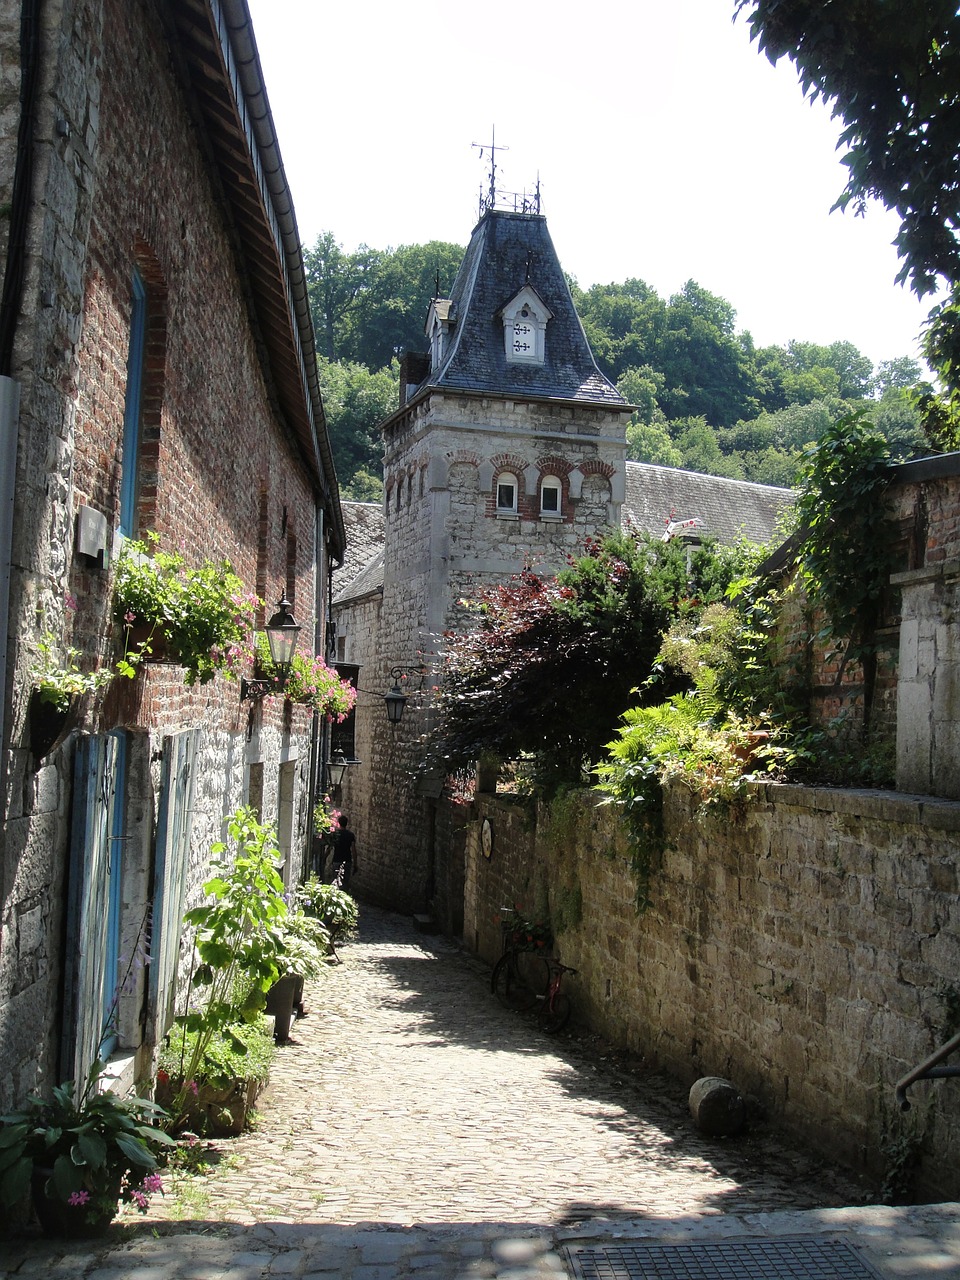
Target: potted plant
(335, 909)
(81, 1156)
(200, 617)
(230, 1073)
(306, 944)
(239, 942)
(57, 693)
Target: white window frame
(504, 479)
(551, 484)
(529, 311)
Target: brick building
(157, 372)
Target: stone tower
(507, 449)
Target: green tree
(337, 282)
(892, 75)
(396, 301)
(700, 450)
(355, 402)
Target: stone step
(425, 923)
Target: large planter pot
(75, 1221)
(280, 1001)
(49, 725)
(217, 1111)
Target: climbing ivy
(845, 553)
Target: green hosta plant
(92, 1150)
(334, 908)
(203, 616)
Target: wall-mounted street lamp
(396, 699)
(282, 631)
(336, 768)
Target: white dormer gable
(525, 326)
(439, 324)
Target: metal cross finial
(492, 149)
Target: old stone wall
(807, 947)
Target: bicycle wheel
(555, 1013)
(512, 983)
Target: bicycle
(521, 975)
(554, 1011)
(524, 979)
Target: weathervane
(492, 197)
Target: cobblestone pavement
(413, 1127)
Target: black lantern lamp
(282, 631)
(396, 699)
(336, 768)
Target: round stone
(717, 1107)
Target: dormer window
(438, 328)
(507, 489)
(525, 326)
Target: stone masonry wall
(807, 948)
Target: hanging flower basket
(51, 722)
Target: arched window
(551, 495)
(507, 490)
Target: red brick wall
(210, 442)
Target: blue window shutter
(88, 903)
(174, 829)
(131, 411)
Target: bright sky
(667, 148)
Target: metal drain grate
(721, 1260)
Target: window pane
(505, 493)
(550, 498)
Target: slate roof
(506, 252)
(729, 509)
(365, 526)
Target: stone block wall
(807, 947)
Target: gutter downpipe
(9, 430)
(11, 303)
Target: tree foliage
(892, 75)
(550, 664)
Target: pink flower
(193, 1087)
(139, 1199)
(153, 1182)
(129, 617)
(78, 1197)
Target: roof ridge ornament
(496, 197)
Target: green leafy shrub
(335, 909)
(241, 1051)
(203, 616)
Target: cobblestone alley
(415, 1127)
